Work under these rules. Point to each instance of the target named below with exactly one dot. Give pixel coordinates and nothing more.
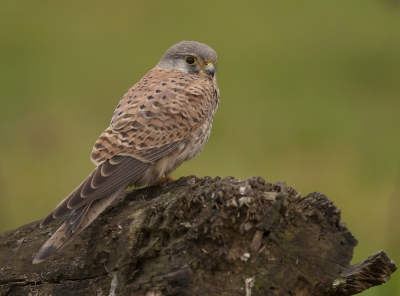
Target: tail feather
(75, 218)
(73, 226)
(104, 180)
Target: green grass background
(310, 94)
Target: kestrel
(162, 121)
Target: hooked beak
(210, 69)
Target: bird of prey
(162, 121)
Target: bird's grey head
(190, 57)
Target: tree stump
(198, 237)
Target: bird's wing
(174, 106)
(114, 173)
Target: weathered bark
(373, 271)
(198, 237)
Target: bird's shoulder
(163, 108)
(159, 91)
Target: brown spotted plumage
(162, 121)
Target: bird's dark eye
(190, 60)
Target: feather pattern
(162, 121)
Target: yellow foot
(165, 179)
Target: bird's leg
(167, 178)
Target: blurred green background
(310, 94)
